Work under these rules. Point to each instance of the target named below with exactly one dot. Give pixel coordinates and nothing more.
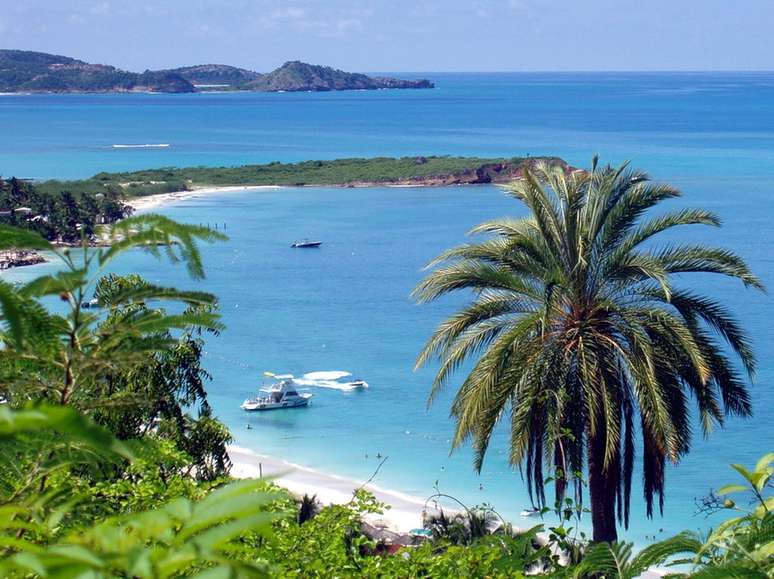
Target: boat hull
(264, 406)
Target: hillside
(216, 74)
(26, 71)
(299, 76)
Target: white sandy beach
(150, 202)
(405, 512)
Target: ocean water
(346, 306)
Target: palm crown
(579, 329)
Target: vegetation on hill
(345, 172)
(27, 71)
(64, 214)
(579, 328)
(298, 76)
(216, 74)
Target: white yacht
(281, 394)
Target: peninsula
(431, 171)
(40, 72)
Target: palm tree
(578, 329)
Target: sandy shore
(405, 512)
(150, 202)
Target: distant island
(377, 171)
(28, 71)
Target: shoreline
(149, 202)
(404, 514)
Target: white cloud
(75, 18)
(316, 18)
(337, 28)
(100, 9)
(289, 13)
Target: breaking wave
(143, 146)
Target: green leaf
(63, 420)
(764, 461)
(16, 238)
(11, 309)
(744, 472)
(728, 489)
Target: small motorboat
(92, 303)
(336, 380)
(281, 394)
(530, 512)
(306, 243)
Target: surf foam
(143, 146)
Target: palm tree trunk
(603, 486)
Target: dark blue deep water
(347, 307)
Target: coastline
(149, 202)
(404, 514)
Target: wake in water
(333, 375)
(331, 379)
(143, 146)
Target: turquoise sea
(346, 306)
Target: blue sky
(401, 35)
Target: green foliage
(334, 172)
(56, 214)
(333, 543)
(134, 368)
(742, 546)
(43, 444)
(181, 536)
(24, 70)
(68, 357)
(578, 328)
